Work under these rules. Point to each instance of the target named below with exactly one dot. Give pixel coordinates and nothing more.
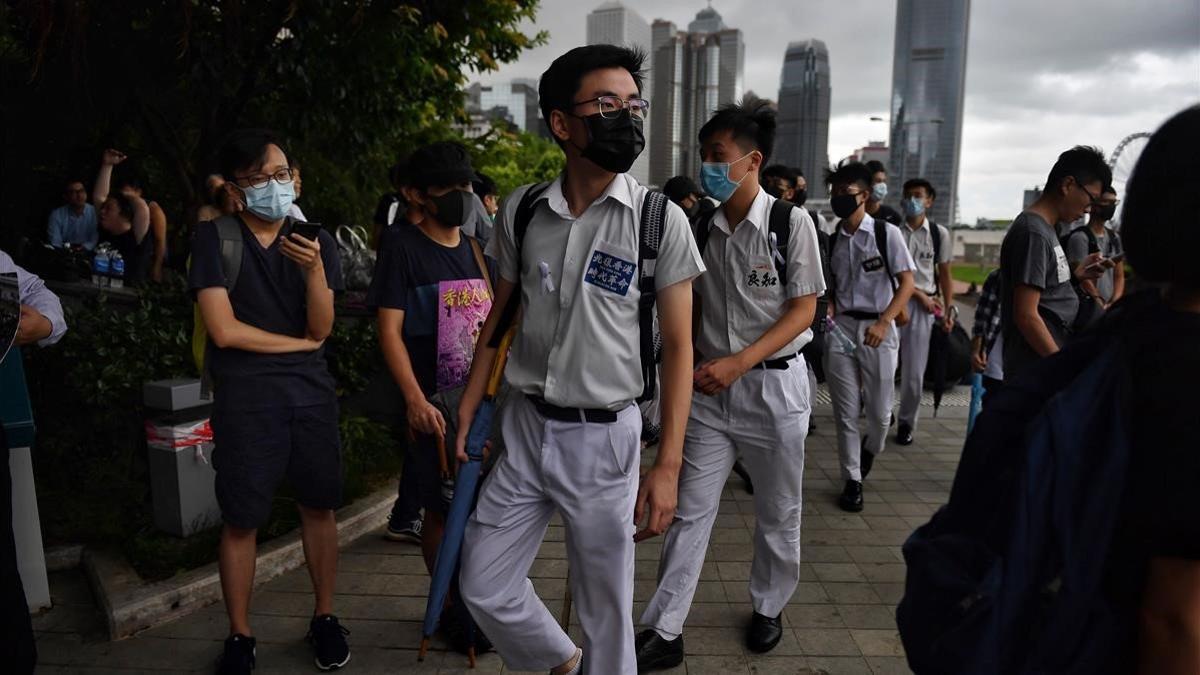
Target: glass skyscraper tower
(804, 94)
(929, 69)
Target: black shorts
(422, 458)
(256, 449)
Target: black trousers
(18, 653)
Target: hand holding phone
(307, 230)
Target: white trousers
(588, 472)
(914, 356)
(863, 379)
(764, 417)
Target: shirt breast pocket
(610, 272)
(759, 278)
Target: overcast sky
(1042, 75)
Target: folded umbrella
(465, 489)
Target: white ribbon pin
(547, 281)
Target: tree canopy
(350, 85)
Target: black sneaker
(904, 434)
(328, 639)
(239, 656)
(409, 532)
(655, 653)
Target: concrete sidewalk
(841, 619)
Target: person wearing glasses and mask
(872, 277)
(571, 429)
(275, 411)
(1039, 303)
(1098, 236)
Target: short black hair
(1083, 163)
(780, 171)
(126, 176)
(914, 183)
(124, 204)
(1109, 190)
(875, 166)
(245, 149)
(560, 82)
(799, 173)
(750, 120)
(679, 188)
(849, 172)
(483, 185)
(1158, 223)
(442, 163)
(71, 180)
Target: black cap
(679, 188)
(442, 163)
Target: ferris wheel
(1124, 158)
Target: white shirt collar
(868, 224)
(758, 215)
(619, 189)
(924, 223)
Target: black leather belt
(554, 412)
(780, 363)
(863, 316)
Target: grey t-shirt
(1109, 245)
(1031, 255)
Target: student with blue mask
(756, 304)
(275, 411)
(879, 192)
(933, 296)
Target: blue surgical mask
(913, 206)
(714, 178)
(879, 191)
(271, 201)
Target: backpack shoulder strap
(779, 224)
(935, 231)
(650, 227)
(521, 218)
(229, 233)
(881, 243)
(701, 230)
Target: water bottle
(116, 269)
(842, 343)
(100, 267)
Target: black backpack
(650, 226)
(779, 224)
(1088, 309)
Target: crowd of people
(754, 298)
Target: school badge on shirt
(609, 272)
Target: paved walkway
(841, 619)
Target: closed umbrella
(446, 567)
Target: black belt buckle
(781, 363)
(561, 414)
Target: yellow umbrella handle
(493, 384)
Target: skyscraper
(804, 95)
(615, 24)
(929, 68)
(695, 71)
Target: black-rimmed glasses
(257, 181)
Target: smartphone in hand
(307, 230)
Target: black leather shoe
(764, 633)
(866, 459)
(655, 653)
(852, 497)
(904, 434)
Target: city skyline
(1028, 96)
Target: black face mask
(799, 197)
(1104, 213)
(844, 205)
(452, 208)
(613, 142)
(692, 210)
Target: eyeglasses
(1093, 200)
(611, 106)
(257, 181)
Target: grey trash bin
(179, 441)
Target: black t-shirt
(137, 257)
(271, 295)
(889, 214)
(444, 298)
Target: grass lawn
(971, 273)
